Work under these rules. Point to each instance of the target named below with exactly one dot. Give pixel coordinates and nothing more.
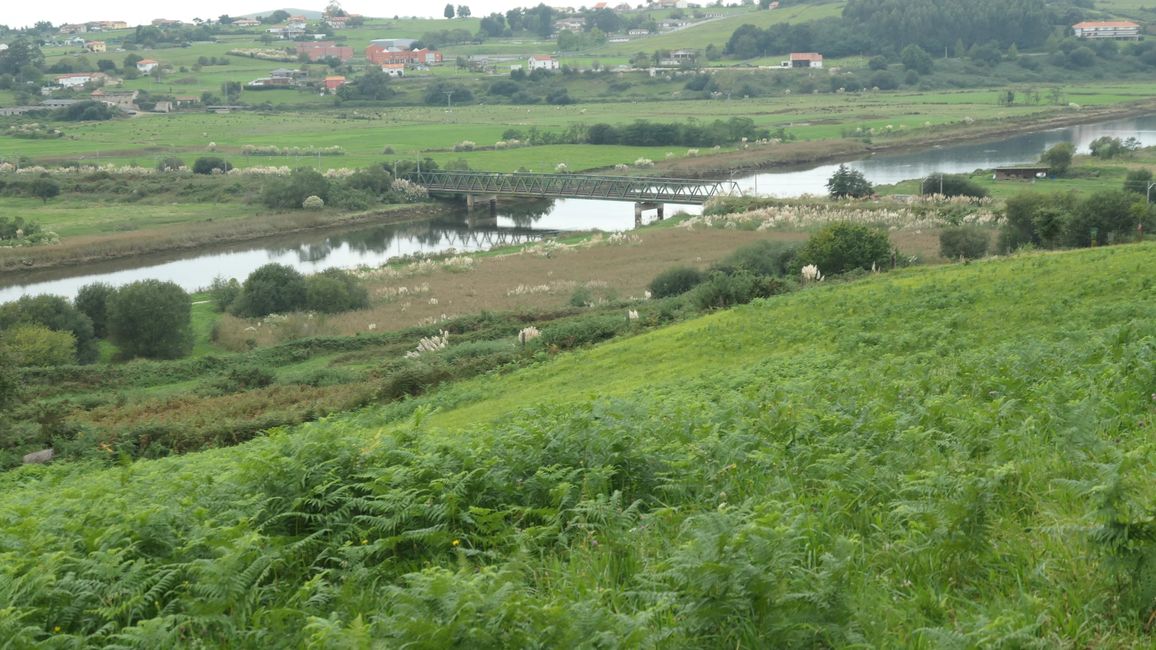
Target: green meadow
(936, 457)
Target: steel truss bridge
(641, 190)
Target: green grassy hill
(948, 457)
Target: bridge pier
(646, 205)
(492, 199)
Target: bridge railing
(613, 188)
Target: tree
(231, 90)
(1058, 158)
(92, 301)
(841, 247)
(449, 11)
(56, 314)
(334, 290)
(151, 319)
(1108, 147)
(1138, 180)
(44, 188)
(30, 344)
(464, 11)
(271, 289)
(916, 58)
(967, 242)
(1103, 217)
(291, 191)
(846, 182)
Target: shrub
(92, 301)
(209, 164)
(36, 345)
(722, 290)
(412, 377)
(764, 257)
(675, 281)
(152, 319)
(1103, 218)
(582, 331)
(952, 185)
(841, 247)
(313, 202)
(56, 314)
(290, 192)
(1137, 180)
(334, 290)
(271, 289)
(1058, 158)
(223, 292)
(966, 242)
(170, 164)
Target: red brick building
(325, 49)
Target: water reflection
(307, 252)
(954, 159)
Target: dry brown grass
(536, 278)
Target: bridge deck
(577, 186)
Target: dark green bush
(223, 292)
(207, 164)
(271, 289)
(583, 331)
(840, 247)
(412, 377)
(952, 185)
(290, 192)
(334, 290)
(966, 242)
(722, 290)
(92, 301)
(675, 281)
(764, 257)
(151, 318)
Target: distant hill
(311, 15)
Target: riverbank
(786, 155)
(17, 263)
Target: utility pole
(449, 100)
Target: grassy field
(411, 131)
(939, 457)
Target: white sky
(18, 13)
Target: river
(522, 222)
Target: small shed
(1020, 173)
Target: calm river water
(313, 252)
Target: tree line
(888, 26)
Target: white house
(74, 80)
(393, 69)
(1117, 29)
(146, 66)
(804, 60)
(542, 62)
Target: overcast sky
(18, 13)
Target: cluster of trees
(537, 20)
(357, 191)
(648, 134)
(148, 318)
(279, 289)
(889, 26)
(1065, 220)
(690, 134)
(43, 187)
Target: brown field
(541, 277)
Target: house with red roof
(542, 62)
(804, 60)
(1115, 29)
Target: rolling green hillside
(933, 458)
